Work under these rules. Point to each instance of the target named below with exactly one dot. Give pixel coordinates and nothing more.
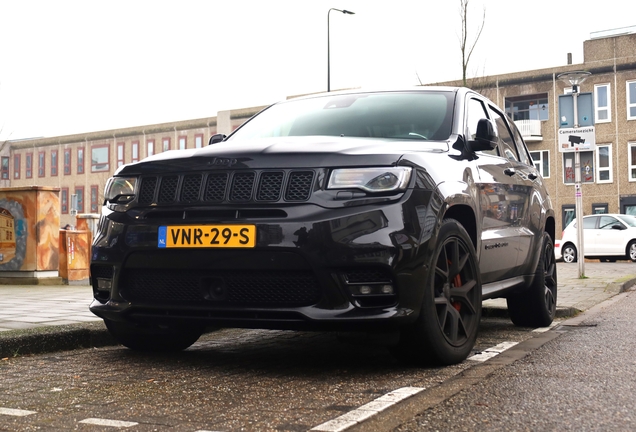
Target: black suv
(395, 211)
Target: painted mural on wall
(29, 229)
(12, 252)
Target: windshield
(414, 116)
(628, 219)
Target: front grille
(367, 275)
(259, 289)
(227, 187)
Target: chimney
(569, 58)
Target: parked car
(391, 211)
(607, 237)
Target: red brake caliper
(457, 281)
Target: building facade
(80, 164)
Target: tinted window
(607, 222)
(590, 223)
(505, 136)
(414, 116)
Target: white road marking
(545, 329)
(106, 422)
(492, 352)
(16, 412)
(362, 413)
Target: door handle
(510, 172)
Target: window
(182, 143)
(541, 161)
(475, 112)
(628, 205)
(28, 172)
(532, 107)
(150, 148)
(79, 191)
(120, 153)
(600, 208)
(631, 100)
(5, 168)
(99, 158)
(198, 141)
(631, 156)
(604, 163)
(568, 213)
(94, 199)
(587, 167)
(16, 166)
(67, 161)
(135, 151)
(166, 144)
(64, 200)
(53, 163)
(80, 160)
(505, 137)
(602, 103)
(41, 164)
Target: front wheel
(446, 329)
(153, 337)
(536, 305)
(568, 252)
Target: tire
(446, 329)
(536, 305)
(569, 253)
(153, 338)
(631, 250)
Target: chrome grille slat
(243, 186)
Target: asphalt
(45, 318)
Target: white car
(607, 237)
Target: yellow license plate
(207, 236)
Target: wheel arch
(465, 215)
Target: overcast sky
(79, 66)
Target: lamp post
(575, 79)
(346, 12)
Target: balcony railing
(530, 130)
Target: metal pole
(328, 56)
(578, 192)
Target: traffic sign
(577, 139)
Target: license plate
(207, 236)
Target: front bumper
(348, 268)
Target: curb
(54, 338)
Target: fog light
(365, 289)
(104, 284)
(386, 289)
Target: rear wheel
(568, 252)
(446, 328)
(536, 306)
(153, 337)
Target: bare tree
(466, 49)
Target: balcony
(530, 130)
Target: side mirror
(486, 137)
(618, 227)
(216, 138)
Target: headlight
(370, 179)
(120, 190)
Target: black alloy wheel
(446, 329)
(536, 305)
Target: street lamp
(346, 12)
(575, 79)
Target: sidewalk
(39, 318)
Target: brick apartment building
(80, 164)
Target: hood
(285, 152)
